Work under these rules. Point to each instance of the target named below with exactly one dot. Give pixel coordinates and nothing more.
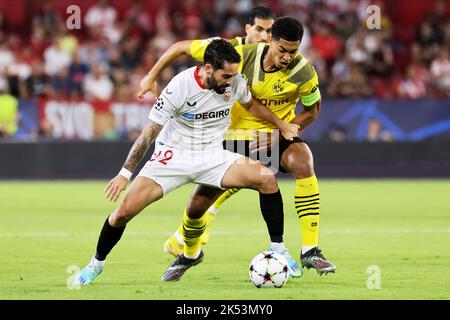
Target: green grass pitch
(49, 228)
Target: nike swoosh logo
(191, 105)
(168, 92)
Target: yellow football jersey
(279, 91)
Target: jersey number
(167, 156)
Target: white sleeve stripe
(169, 100)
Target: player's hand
(289, 131)
(264, 141)
(115, 187)
(148, 84)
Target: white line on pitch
(222, 232)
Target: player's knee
(302, 170)
(196, 208)
(116, 220)
(122, 215)
(301, 167)
(266, 182)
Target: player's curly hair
(219, 51)
(287, 28)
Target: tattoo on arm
(141, 145)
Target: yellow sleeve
(309, 91)
(198, 48)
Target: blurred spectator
(4, 28)
(97, 84)
(77, 72)
(382, 60)
(335, 133)
(357, 48)
(29, 114)
(101, 17)
(55, 58)
(6, 57)
(38, 80)
(347, 24)
(9, 117)
(440, 72)
(427, 41)
(326, 43)
(138, 17)
(61, 84)
(355, 84)
(94, 52)
(375, 132)
(48, 18)
(21, 68)
(131, 53)
(38, 40)
(414, 85)
(66, 41)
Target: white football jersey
(196, 118)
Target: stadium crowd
(113, 50)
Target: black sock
(109, 236)
(272, 210)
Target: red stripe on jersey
(197, 78)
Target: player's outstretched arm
(137, 152)
(148, 83)
(288, 130)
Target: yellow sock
(307, 202)
(224, 197)
(192, 229)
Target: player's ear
(247, 28)
(209, 69)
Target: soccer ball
(269, 270)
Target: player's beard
(212, 83)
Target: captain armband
(311, 98)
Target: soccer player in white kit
(189, 121)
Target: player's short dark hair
(287, 28)
(261, 13)
(219, 51)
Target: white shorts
(171, 168)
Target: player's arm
(148, 83)
(310, 98)
(288, 130)
(137, 152)
(307, 115)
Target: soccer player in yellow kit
(279, 76)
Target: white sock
(307, 248)
(179, 237)
(98, 263)
(213, 209)
(194, 256)
(277, 246)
